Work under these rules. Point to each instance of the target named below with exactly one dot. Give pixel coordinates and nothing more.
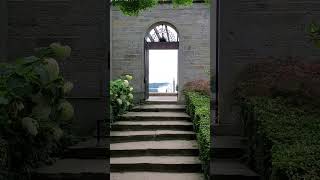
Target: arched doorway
(161, 41)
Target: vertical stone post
(214, 57)
(3, 29)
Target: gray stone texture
(165, 144)
(128, 35)
(166, 155)
(156, 176)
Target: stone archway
(160, 36)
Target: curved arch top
(162, 32)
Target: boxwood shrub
(291, 139)
(198, 107)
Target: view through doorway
(163, 67)
(161, 61)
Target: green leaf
(177, 3)
(133, 8)
(43, 74)
(317, 43)
(16, 81)
(27, 60)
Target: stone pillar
(213, 56)
(3, 30)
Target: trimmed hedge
(291, 138)
(198, 107)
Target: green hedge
(198, 107)
(291, 133)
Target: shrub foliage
(34, 114)
(285, 77)
(201, 86)
(198, 107)
(121, 93)
(280, 101)
(135, 7)
(291, 139)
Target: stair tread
(155, 160)
(152, 123)
(230, 167)
(92, 143)
(228, 142)
(155, 176)
(75, 166)
(162, 99)
(154, 132)
(226, 129)
(165, 144)
(156, 114)
(160, 106)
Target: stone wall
(253, 32)
(193, 24)
(82, 24)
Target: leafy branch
(135, 7)
(314, 33)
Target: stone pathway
(155, 142)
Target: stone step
(156, 164)
(223, 169)
(75, 169)
(166, 95)
(225, 130)
(228, 147)
(155, 176)
(89, 149)
(155, 148)
(152, 125)
(160, 108)
(163, 116)
(161, 102)
(155, 135)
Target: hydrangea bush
(121, 93)
(34, 114)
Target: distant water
(161, 87)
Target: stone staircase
(155, 141)
(84, 161)
(228, 148)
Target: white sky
(163, 66)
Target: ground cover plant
(35, 116)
